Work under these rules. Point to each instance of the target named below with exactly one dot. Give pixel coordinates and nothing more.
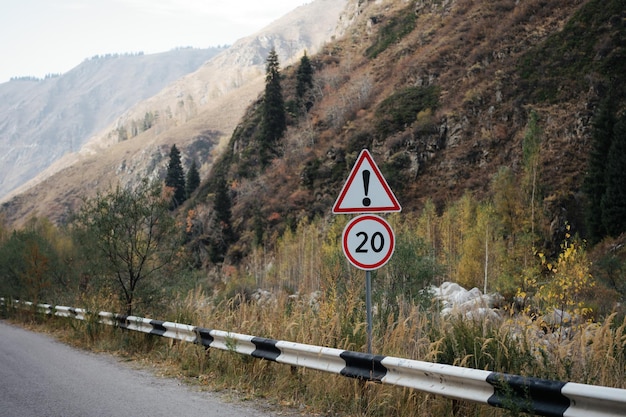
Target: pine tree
(175, 177)
(304, 83)
(274, 121)
(304, 76)
(193, 179)
(222, 231)
(595, 180)
(613, 203)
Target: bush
(400, 110)
(393, 168)
(397, 28)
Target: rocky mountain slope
(42, 120)
(194, 112)
(441, 93)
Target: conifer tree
(613, 203)
(175, 177)
(595, 180)
(304, 83)
(222, 230)
(304, 76)
(274, 121)
(193, 179)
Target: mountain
(42, 120)
(441, 93)
(195, 112)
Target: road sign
(366, 190)
(368, 242)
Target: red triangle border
(395, 207)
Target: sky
(40, 37)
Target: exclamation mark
(366, 186)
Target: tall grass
(591, 353)
(305, 291)
(320, 301)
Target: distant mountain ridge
(41, 120)
(198, 112)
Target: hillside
(195, 112)
(441, 93)
(42, 120)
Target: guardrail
(517, 393)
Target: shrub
(397, 28)
(393, 168)
(400, 110)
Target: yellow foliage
(568, 280)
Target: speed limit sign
(368, 242)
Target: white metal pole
(368, 308)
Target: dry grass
(311, 295)
(593, 354)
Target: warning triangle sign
(366, 190)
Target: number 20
(377, 243)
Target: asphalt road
(42, 377)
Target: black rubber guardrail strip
(203, 337)
(121, 321)
(531, 395)
(157, 327)
(363, 366)
(265, 348)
